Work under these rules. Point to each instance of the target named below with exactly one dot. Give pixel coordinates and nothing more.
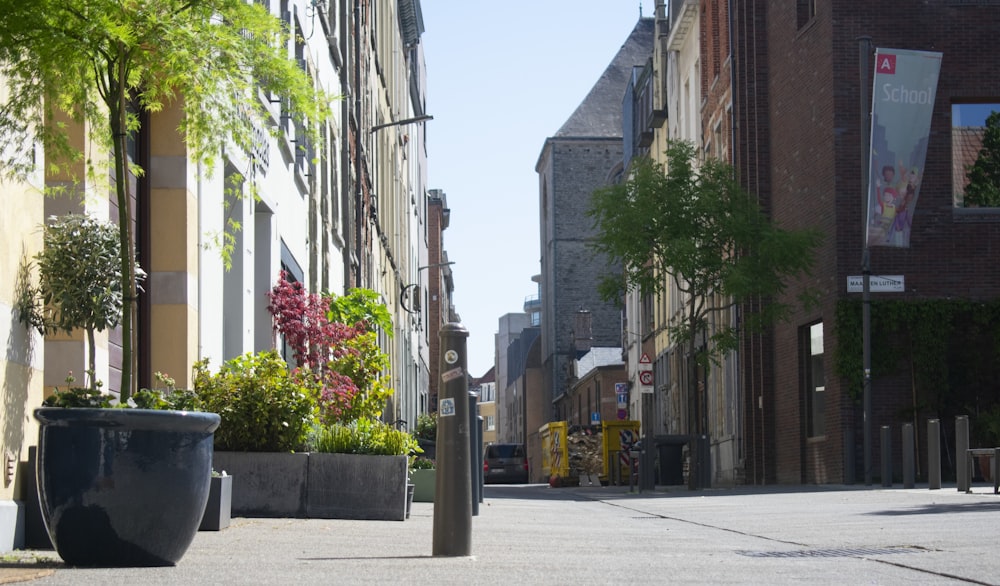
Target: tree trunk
(117, 111)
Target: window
(975, 155)
(814, 379)
(491, 423)
(805, 11)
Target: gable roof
(599, 115)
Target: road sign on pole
(877, 284)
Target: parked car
(505, 463)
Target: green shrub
(363, 436)
(426, 428)
(263, 408)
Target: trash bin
(670, 455)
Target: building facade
(586, 153)
(350, 209)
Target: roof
(596, 358)
(599, 115)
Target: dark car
(505, 463)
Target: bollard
(453, 493)
(480, 456)
(909, 468)
(475, 444)
(934, 454)
(961, 451)
(886, 437)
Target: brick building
(798, 136)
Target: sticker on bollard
(451, 357)
(452, 374)
(446, 408)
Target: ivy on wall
(949, 348)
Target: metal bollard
(480, 456)
(961, 453)
(475, 446)
(909, 463)
(886, 437)
(934, 454)
(453, 493)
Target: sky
(501, 78)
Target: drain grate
(845, 552)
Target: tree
(79, 280)
(698, 229)
(101, 62)
(984, 175)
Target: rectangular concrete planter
(356, 486)
(424, 484)
(314, 485)
(271, 484)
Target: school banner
(902, 103)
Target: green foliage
(100, 62)
(263, 408)
(79, 397)
(79, 274)
(420, 463)
(361, 360)
(95, 398)
(693, 225)
(361, 306)
(984, 175)
(364, 436)
(949, 348)
(426, 428)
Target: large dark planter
(123, 487)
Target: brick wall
(814, 123)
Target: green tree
(100, 62)
(79, 279)
(984, 175)
(697, 228)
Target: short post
(474, 447)
(909, 463)
(478, 478)
(453, 492)
(962, 453)
(934, 454)
(886, 455)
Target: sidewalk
(539, 535)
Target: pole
(934, 454)
(453, 492)
(475, 445)
(909, 460)
(864, 54)
(962, 473)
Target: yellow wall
(173, 264)
(23, 350)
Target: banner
(902, 103)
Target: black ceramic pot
(123, 487)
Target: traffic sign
(645, 359)
(877, 284)
(646, 377)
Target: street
(538, 535)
